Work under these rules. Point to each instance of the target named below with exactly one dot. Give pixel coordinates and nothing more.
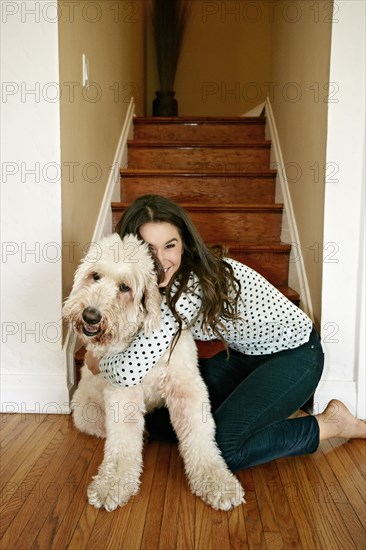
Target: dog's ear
(152, 299)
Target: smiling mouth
(90, 330)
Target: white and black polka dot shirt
(268, 323)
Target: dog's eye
(124, 288)
(96, 276)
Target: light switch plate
(85, 71)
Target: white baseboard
(344, 390)
(32, 393)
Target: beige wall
(300, 74)
(236, 53)
(91, 122)
(225, 60)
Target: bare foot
(337, 421)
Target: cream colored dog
(115, 295)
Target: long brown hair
(219, 288)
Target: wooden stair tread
(199, 120)
(194, 207)
(266, 144)
(129, 172)
(277, 248)
(196, 129)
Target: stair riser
(203, 159)
(273, 266)
(199, 132)
(233, 227)
(211, 190)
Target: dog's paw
(220, 492)
(109, 492)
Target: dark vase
(165, 104)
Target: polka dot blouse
(268, 322)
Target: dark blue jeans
(252, 398)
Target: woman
(275, 359)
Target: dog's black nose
(91, 316)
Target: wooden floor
(312, 502)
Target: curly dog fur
(114, 296)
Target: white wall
(42, 45)
(301, 46)
(33, 375)
(343, 306)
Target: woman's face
(167, 245)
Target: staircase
(218, 170)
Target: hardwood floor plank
(266, 508)
(151, 534)
(8, 423)
(71, 518)
(168, 536)
(355, 528)
(82, 534)
(14, 424)
(331, 490)
(344, 471)
(335, 529)
(284, 518)
(237, 532)
(15, 471)
(274, 541)
(71, 485)
(85, 528)
(252, 518)
(357, 451)
(186, 517)
(300, 508)
(202, 526)
(344, 454)
(109, 528)
(106, 523)
(15, 495)
(220, 530)
(55, 490)
(21, 439)
(24, 505)
(128, 536)
(323, 513)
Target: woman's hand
(92, 362)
